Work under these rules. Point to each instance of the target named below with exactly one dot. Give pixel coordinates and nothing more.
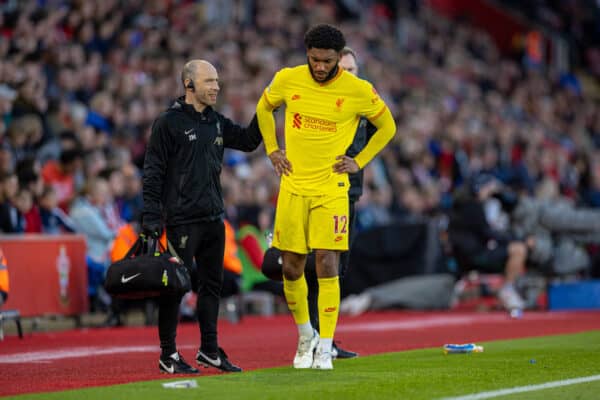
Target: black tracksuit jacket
(183, 161)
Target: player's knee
(292, 272)
(327, 263)
(293, 265)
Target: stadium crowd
(81, 82)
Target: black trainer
(175, 364)
(338, 352)
(219, 361)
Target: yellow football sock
(329, 305)
(296, 295)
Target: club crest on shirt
(338, 104)
(297, 122)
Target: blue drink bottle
(462, 348)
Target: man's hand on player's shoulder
(280, 162)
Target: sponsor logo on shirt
(313, 124)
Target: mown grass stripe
(522, 389)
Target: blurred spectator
(111, 212)
(132, 201)
(54, 220)
(61, 175)
(87, 216)
(11, 219)
(31, 219)
(477, 246)
(24, 135)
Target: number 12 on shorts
(340, 223)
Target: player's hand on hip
(280, 162)
(345, 164)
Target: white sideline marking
(528, 388)
(420, 322)
(76, 352)
(405, 324)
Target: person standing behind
(323, 108)
(182, 190)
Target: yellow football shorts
(304, 223)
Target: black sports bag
(147, 271)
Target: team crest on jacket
(219, 139)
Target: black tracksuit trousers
(204, 242)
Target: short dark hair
(324, 36)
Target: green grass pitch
(419, 374)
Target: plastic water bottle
(462, 348)
(269, 238)
(63, 265)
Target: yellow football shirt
(320, 124)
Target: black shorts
(492, 261)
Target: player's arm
(382, 132)
(272, 97)
(386, 129)
(266, 123)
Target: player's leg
(339, 352)
(290, 235)
(328, 224)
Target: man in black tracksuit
(272, 267)
(182, 191)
